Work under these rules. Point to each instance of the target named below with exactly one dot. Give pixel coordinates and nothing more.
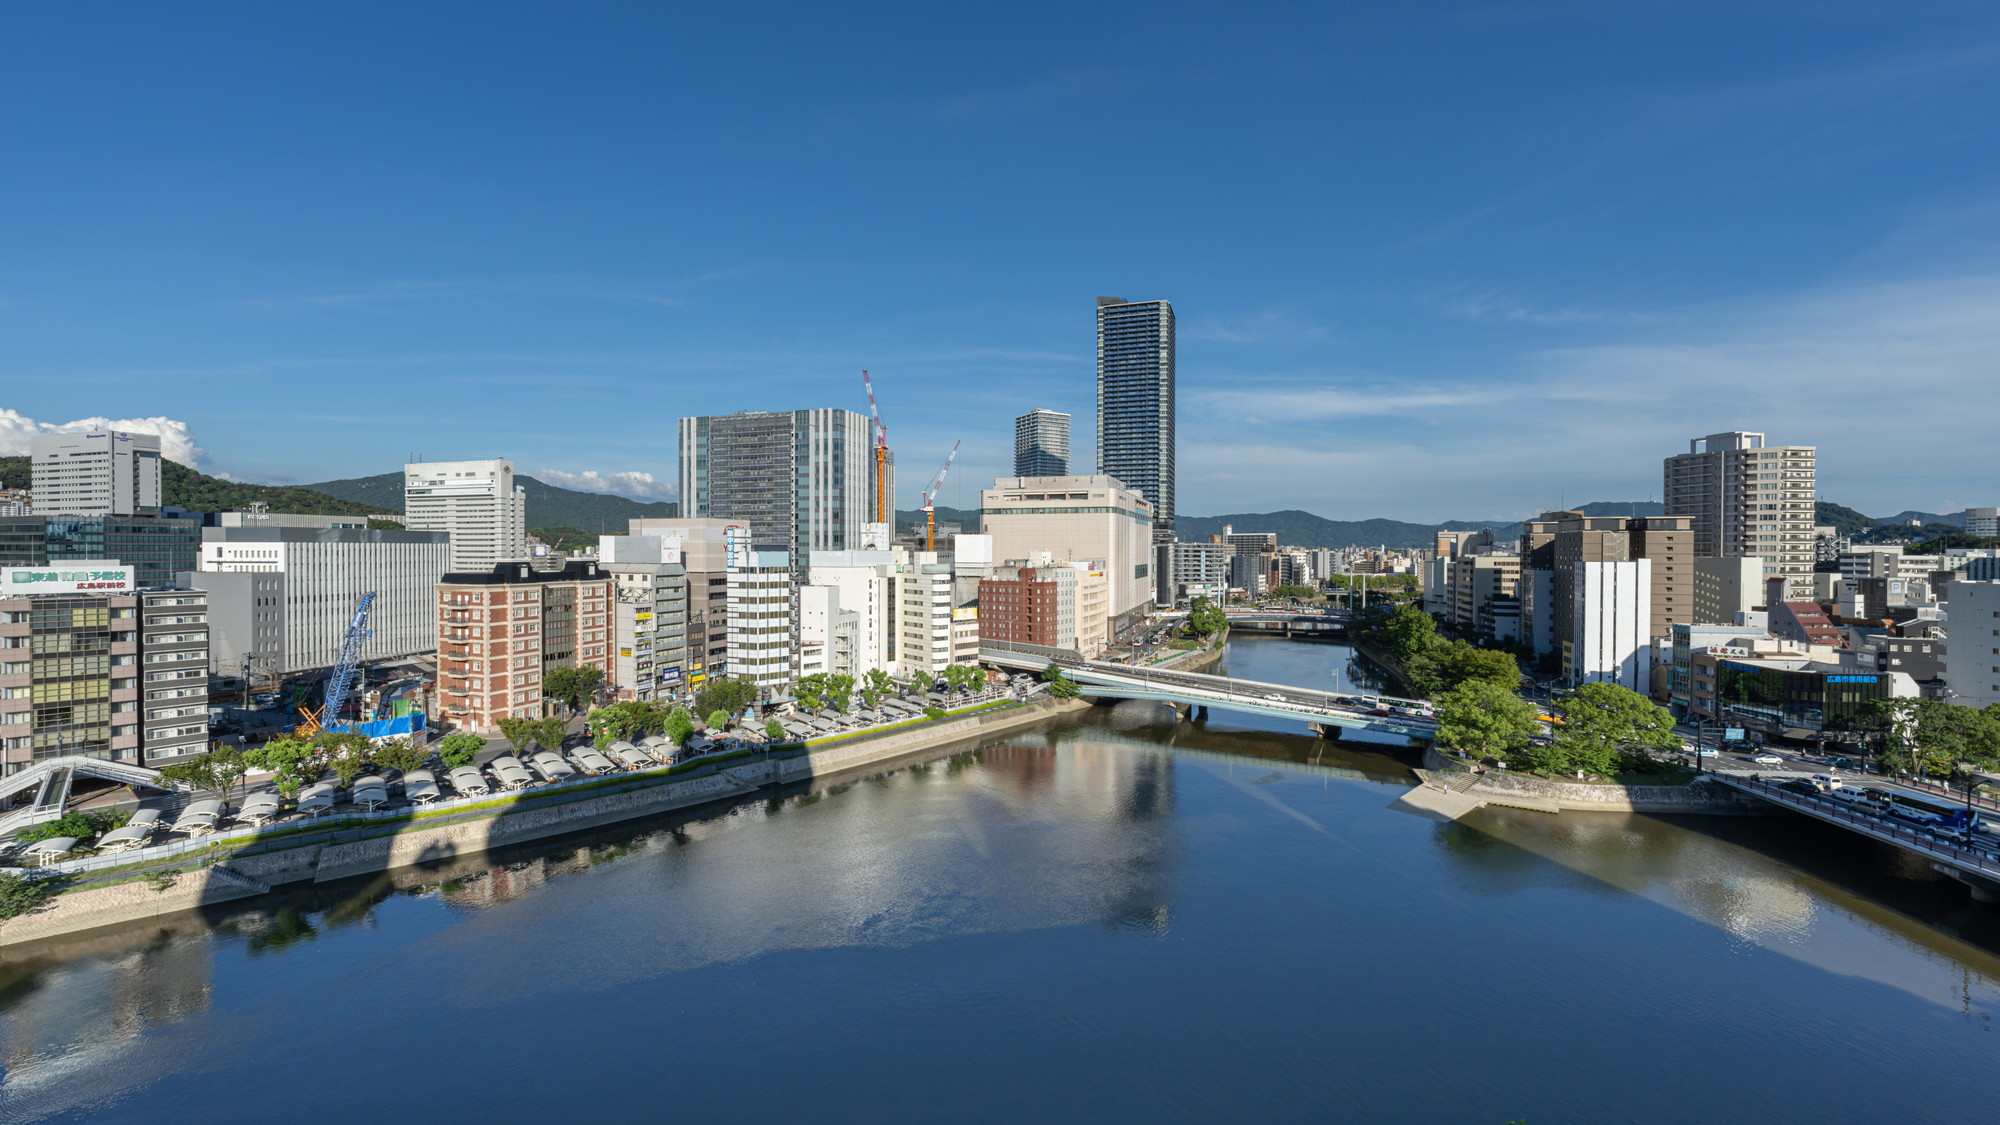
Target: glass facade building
(156, 548)
(1824, 697)
(1135, 400)
(801, 480)
(1041, 444)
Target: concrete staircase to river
(1448, 796)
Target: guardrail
(1887, 831)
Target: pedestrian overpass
(52, 778)
(1188, 691)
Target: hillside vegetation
(599, 513)
(183, 487)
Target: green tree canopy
(1931, 737)
(459, 749)
(774, 731)
(730, 694)
(519, 733)
(1605, 725)
(572, 685)
(294, 762)
(215, 772)
(1485, 720)
(876, 686)
(677, 726)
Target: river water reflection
(1113, 917)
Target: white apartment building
(923, 614)
(1078, 519)
(762, 644)
(109, 473)
(862, 583)
(1982, 521)
(828, 634)
(298, 623)
(1972, 665)
(1611, 615)
(1724, 588)
(477, 502)
(1747, 498)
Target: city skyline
(1650, 239)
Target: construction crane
(345, 670)
(882, 514)
(930, 496)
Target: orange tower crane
(930, 497)
(881, 455)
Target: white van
(1826, 782)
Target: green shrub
(934, 713)
(81, 825)
(19, 895)
(717, 720)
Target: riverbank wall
(343, 853)
(1700, 797)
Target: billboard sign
(1733, 734)
(85, 576)
(670, 675)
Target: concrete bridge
(1290, 622)
(1978, 870)
(1187, 691)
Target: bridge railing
(1970, 859)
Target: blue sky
(1430, 260)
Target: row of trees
(1606, 729)
(837, 691)
(1430, 664)
(1932, 738)
(303, 757)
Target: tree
(627, 719)
(1204, 619)
(718, 721)
(550, 732)
(960, 677)
(922, 681)
(774, 731)
(519, 733)
(677, 726)
(1060, 686)
(215, 772)
(876, 686)
(20, 895)
(1458, 663)
(1485, 720)
(839, 691)
(460, 749)
(1605, 724)
(727, 694)
(571, 685)
(399, 754)
(294, 762)
(811, 690)
(1290, 591)
(1408, 631)
(1930, 738)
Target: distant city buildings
(476, 502)
(1041, 444)
(1135, 400)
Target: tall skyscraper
(477, 502)
(108, 473)
(1135, 400)
(1041, 444)
(1746, 498)
(802, 480)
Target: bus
(1920, 808)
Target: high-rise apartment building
(763, 634)
(1747, 498)
(477, 502)
(1135, 400)
(500, 631)
(299, 623)
(1041, 444)
(109, 473)
(800, 480)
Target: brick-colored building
(499, 632)
(1029, 605)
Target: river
(1112, 918)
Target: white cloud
(637, 486)
(177, 443)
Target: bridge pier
(1182, 711)
(1982, 888)
(1327, 730)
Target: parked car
(1272, 695)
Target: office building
(1249, 542)
(500, 631)
(1135, 400)
(1725, 588)
(257, 517)
(1983, 522)
(800, 480)
(649, 615)
(1200, 570)
(1474, 583)
(1082, 520)
(299, 623)
(857, 583)
(1030, 605)
(1972, 619)
(109, 473)
(762, 632)
(97, 667)
(1746, 498)
(1789, 694)
(1607, 639)
(702, 547)
(1041, 444)
(477, 502)
(156, 547)
(923, 615)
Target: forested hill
(599, 513)
(182, 487)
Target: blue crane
(347, 668)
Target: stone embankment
(364, 850)
(1699, 796)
